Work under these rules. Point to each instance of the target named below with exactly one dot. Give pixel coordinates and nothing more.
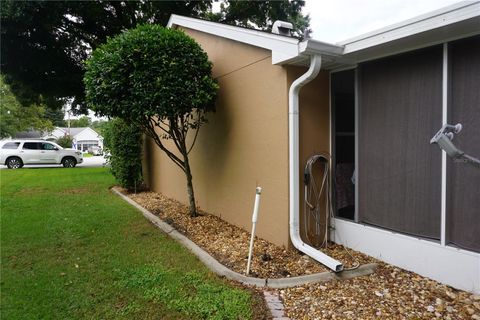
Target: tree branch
(178, 138)
(150, 131)
(196, 135)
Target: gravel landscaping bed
(388, 293)
(229, 244)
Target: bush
(124, 143)
(65, 141)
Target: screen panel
(399, 174)
(463, 186)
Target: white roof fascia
(435, 19)
(283, 48)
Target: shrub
(65, 141)
(124, 142)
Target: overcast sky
(336, 20)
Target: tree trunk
(191, 195)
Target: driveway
(90, 162)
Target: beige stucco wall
(245, 143)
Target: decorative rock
(440, 308)
(451, 295)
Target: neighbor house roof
(446, 24)
(55, 133)
(73, 131)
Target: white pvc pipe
(293, 141)
(254, 223)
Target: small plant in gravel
(160, 80)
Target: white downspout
(293, 141)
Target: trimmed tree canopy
(149, 71)
(160, 80)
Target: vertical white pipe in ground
(254, 223)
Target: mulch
(229, 244)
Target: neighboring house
(373, 103)
(82, 137)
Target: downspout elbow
(313, 70)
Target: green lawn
(70, 249)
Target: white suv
(16, 153)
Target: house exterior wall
(244, 144)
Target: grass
(70, 249)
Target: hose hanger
(313, 195)
(313, 204)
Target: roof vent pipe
(294, 175)
(282, 28)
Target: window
(11, 145)
(343, 139)
(32, 146)
(48, 146)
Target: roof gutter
(294, 175)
